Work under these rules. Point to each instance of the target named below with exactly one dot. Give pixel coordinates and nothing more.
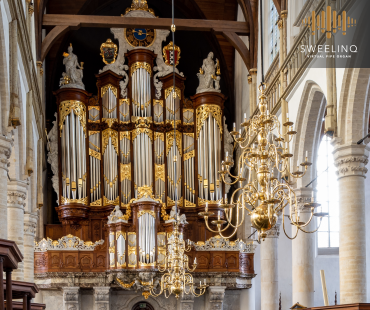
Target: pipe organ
(123, 140)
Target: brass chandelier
(176, 279)
(265, 195)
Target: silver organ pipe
(141, 89)
(121, 249)
(159, 166)
(147, 235)
(109, 102)
(189, 155)
(209, 135)
(125, 158)
(95, 159)
(110, 154)
(73, 138)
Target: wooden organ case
(117, 160)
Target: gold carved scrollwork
(95, 154)
(169, 90)
(141, 122)
(160, 102)
(189, 204)
(125, 285)
(171, 202)
(110, 202)
(78, 109)
(203, 201)
(203, 113)
(65, 201)
(160, 172)
(109, 133)
(96, 203)
(169, 142)
(138, 65)
(109, 121)
(120, 233)
(145, 191)
(124, 134)
(126, 101)
(126, 171)
(105, 88)
(159, 135)
(93, 132)
(146, 131)
(189, 155)
(164, 214)
(142, 212)
(128, 211)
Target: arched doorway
(142, 305)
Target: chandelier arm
(211, 230)
(311, 232)
(229, 219)
(291, 238)
(231, 183)
(220, 233)
(305, 224)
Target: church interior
(184, 154)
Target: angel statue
(72, 78)
(209, 73)
(180, 218)
(115, 216)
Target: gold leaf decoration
(126, 172)
(105, 88)
(138, 65)
(78, 108)
(203, 113)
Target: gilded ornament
(139, 5)
(142, 212)
(91, 133)
(202, 202)
(110, 202)
(108, 51)
(169, 90)
(160, 172)
(164, 214)
(169, 141)
(160, 102)
(138, 65)
(109, 133)
(120, 233)
(204, 111)
(125, 134)
(146, 294)
(105, 88)
(167, 51)
(65, 201)
(189, 204)
(94, 154)
(146, 131)
(159, 135)
(124, 101)
(126, 172)
(145, 191)
(171, 203)
(141, 122)
(140, 37)
(96, 203)
(109, 121)
(78, 109)
(147, 264)
(125, 285)
(189, 155)
(128, 211)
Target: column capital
(5, 151)
(187, 302)
(101, 298)
(16, 198)
(351, 160)
(30, 224)
(71, 298)
(304, 195)
(274, 232)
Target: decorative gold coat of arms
(108, 51)
(170, 54)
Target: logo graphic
(329, 22)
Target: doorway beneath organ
(142, 306)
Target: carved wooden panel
(232, 261)
(41, 262)
(217, 260)
(246, 262)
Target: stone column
(71, 298)
(269, 270)
(187, 302)
(102, 298)
(350, 161)
(303, 254)
(5, 151)
(16, 203)
(215, 297)
(30, 224)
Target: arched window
(274, 31)
(328, 196)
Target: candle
(240, 132)
(225, 198)
(200, 283)
(306, 154)
(227, 154)
(206, 206)
(205, 282)
(268, 112)
(234, 126)
(287, 116)
(219, 215)
(195, 261)
(245, 115)
(298, 164)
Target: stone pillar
(16, 203)
(187, 302)
(30, 224)
(102, 298)
(269, 270)
(71, 298)
(215, 297)
(5, 151)
(350, 161)
(303, 254)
